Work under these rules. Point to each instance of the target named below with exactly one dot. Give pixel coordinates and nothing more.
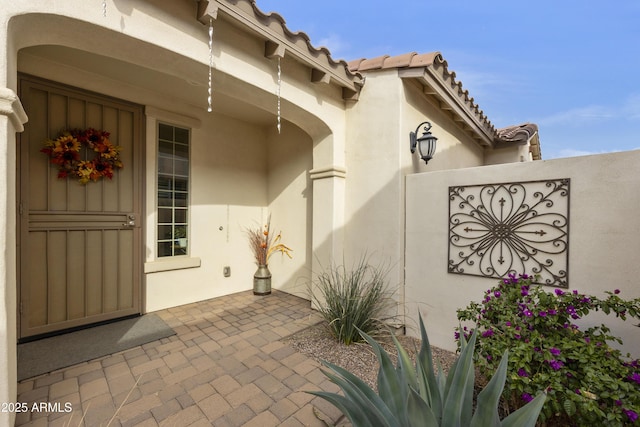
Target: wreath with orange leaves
(66, 153)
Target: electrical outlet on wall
(226, 271)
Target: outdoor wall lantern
(426, 143)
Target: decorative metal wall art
(511, 228)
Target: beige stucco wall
(290, 202)
(603, 243)
(515, 153)
(240, 172)
(379, 158)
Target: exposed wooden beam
(273, 49)
(207, 11)
(350, 94)
(319, 76)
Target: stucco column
(12, 119)
(328, 178)
(328, 216)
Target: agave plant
(413, 396)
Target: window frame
(172, 180)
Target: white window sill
(171, 264)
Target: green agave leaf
(449, 377)
(457, 411)
(429, 386)
(355, 412)
(360, 393)
(527, 415)
(467, 405)
(419, 414)
(405, 365)
(442, 379)
(424, 388)
(489, 398)
(391, 385)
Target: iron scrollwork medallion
(511, 228)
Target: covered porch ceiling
(187, 89)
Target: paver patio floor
(226, 366)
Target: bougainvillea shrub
(588, 382)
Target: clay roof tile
(373, 63)
(354, 65)
(399, 61)
(424, 60)
(517, 133)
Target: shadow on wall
(290, 202)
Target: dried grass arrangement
(263, 244)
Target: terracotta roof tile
(355, 64)
(272, 19)
(424, 60)
(517, 133)
(406, 60)
(373, 63)
(435, 61)
(399, 61)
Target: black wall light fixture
(426, 144)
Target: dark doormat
(50, 354)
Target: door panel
(79, 258)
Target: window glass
(173, 191)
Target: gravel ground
(317, 342)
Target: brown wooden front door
(79, 257)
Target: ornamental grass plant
(589, 383)
(352, 299)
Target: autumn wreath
(65, 152)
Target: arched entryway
(155, 55)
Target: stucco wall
(603, 240)
(516, 153)
(240, 173)
(290, 202)
(373, 183)
(379, 158)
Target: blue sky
(571, 66)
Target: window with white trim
(172, 191)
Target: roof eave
(450, 97)
(280, 41)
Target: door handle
(131, 221)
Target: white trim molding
(11, 107)
(174, 263)
(328, 172)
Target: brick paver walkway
(225, 367)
